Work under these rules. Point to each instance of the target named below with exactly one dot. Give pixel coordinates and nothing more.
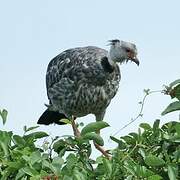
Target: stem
(6, 151)
(129, 153)
(140, 111)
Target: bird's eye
(128, 50)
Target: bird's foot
(98, 147)
(103, 151)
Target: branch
(147, 93)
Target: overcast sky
(33, 32)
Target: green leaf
(115, 139)
(67, 178)
(26, 158)
(145, 126)
(177, 128)
(152, 160)
(15, 165)
(95, 137)
(174, 83)
(129, 139)
(108, 166)
(71, 161)
(94, 127)
(25, 128)
(171, 173)
(35, 157)
(18, 140)
(20, 174)
(154, 177)
(3, 115)
(134, 135)
(130, 177)
(175, 92)
(46, 163)
(175, 106)
(169, 127)
(130, 166)
(30, 171)
(37, 177)
(59, 145)
(30, 128)
(66, 121)
(5, 140)
(36, 135)
(56, 165)
(142, 152)
(77, 175)
(58, 160)
(156, 124)
(100, 170)
(6, 173)
(43, 174)
(121, 144)
(142, 171)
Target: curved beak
(132, 57)
(136, 60)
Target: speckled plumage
(82, 81)
(77, 83)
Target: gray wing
(78, 65)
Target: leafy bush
(152, 153)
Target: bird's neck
(111, 58)
(115, 56)
(111, 61)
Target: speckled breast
(83, 100)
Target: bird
(84, 80)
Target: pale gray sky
(33, 32)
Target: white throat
(113, 55)
(110, 60)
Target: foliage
(152, 153)
(174, 91)
(3, 115)
(155, 152)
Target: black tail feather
(49, 117)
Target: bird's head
(121, 51)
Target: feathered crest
(113, 41)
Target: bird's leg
(74, 126)
(100, 117)
(101, 149)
